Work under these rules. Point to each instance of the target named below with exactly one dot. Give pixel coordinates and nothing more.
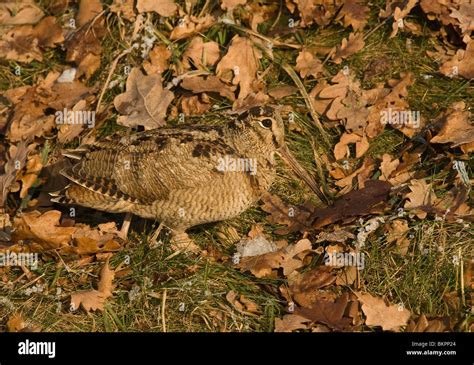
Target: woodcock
(182, 176)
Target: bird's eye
(266, 123)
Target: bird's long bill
(291, 161)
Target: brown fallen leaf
(328, 312)
(19, 12)
(242, 304)
(341, 149)
(423, 324)
(16, 160)
(290, 323)
(144, 103)
(356, 203)
(397, 232)
(16, 323)
(199, 84)
(231, 4)
(354, 13)
(123, 8)
(239, 65)
(92, 300)
(304, 287)
(348, 47)
(158, 62)
(308, 65)
(289, 258)
(88, 10)
(43, 229)
(399, 10)
(84, 47)
(389, 317)
(461, 64)
(162, 7)
(296, 218)
(421, 195)
(201, 54)
(33, 168)
(457, 127)
(190, 25)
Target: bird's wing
(147, 166)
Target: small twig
(109, 76)
(163, 308)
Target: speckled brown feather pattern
(172, 175)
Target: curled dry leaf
(16, 161)
(389, 317)
(231, 4)
(162, 7)
(421, 195)
(199, 84)
(399, 11)
(341, 149)
(348, 47)
(289, 258)
(397, 232)
(92, 300)
(158, 62)
(354, 13)
(43, 229)
(144, 103)
(290, 323)
(123, 8)
(239, 65)
(190, 25)
(242, 304)
(33, 168)
(308, 64)
(201, 54)
(461, 64)
(24, 43)
(88, 10)
(457, 127)
(20, 12)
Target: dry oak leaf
(19, 12)
(465, 16)
(200, 84)
(421, 195)
(24, 43)
(397, 232)
(304, 287)
(355, 14)
(462, 63)
(158, 62)
(242, 304)
(162, 7)
(296, 218)
(308, 64)
(457, 127)
(201, 54)
(389, 317)
(16, 323)
(84, 47)
(289, 258)
(231, 4)
(33, 168)
(328, 312)
(88, 10)
(399, 10)
(290, 323)
(341, 149)
(43, 229)
(240, 64)
(356, 203)
(17, 158)
(190, 25)
(348, 47)
(144, 103)
(92, 300)
(123, 8)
